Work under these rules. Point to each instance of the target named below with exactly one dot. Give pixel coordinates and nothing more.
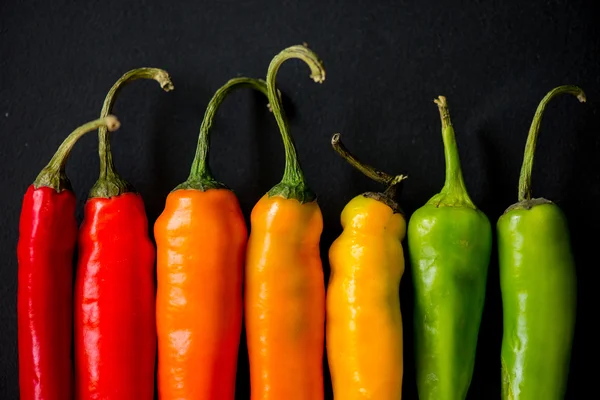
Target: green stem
(109, 183)
(292, 185)
(526, 168)
(201, 177)
(390, 181)
(53, 175)
(454, 193)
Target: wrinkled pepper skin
(285, 300)
(45, 255)
(538, 283)
(47, 240)
(364, 322)
(201, 240)
(115, 329)
(284, 291)
(449, 243)
(115, 292)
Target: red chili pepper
(115, 331)
(47, 239)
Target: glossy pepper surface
(45, 251)
(201, 241)
(115, 329)
(364, 321)
(449, 242)
(284, 285)
(538, 284)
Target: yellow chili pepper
(364, 322)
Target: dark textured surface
(386, 61)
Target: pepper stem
(454, 193)
(109, 183)
(526, 168)
(391, 182)
(53, 175)
(200, 177)
(292, 185)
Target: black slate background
(385, 60)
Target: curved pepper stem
(109, 183)
(390, 181)
(526, 168)
(53, 175)
(200, 177)
(292, 185)
(454, 193)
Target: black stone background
(385, 60)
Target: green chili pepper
(449, 242)
(538, 284)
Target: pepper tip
(318, 78)
(440, 101)
(168, 86)
(112, 123)
(335, 138)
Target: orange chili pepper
(364, 321)
(284, 285)
(201, 241)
